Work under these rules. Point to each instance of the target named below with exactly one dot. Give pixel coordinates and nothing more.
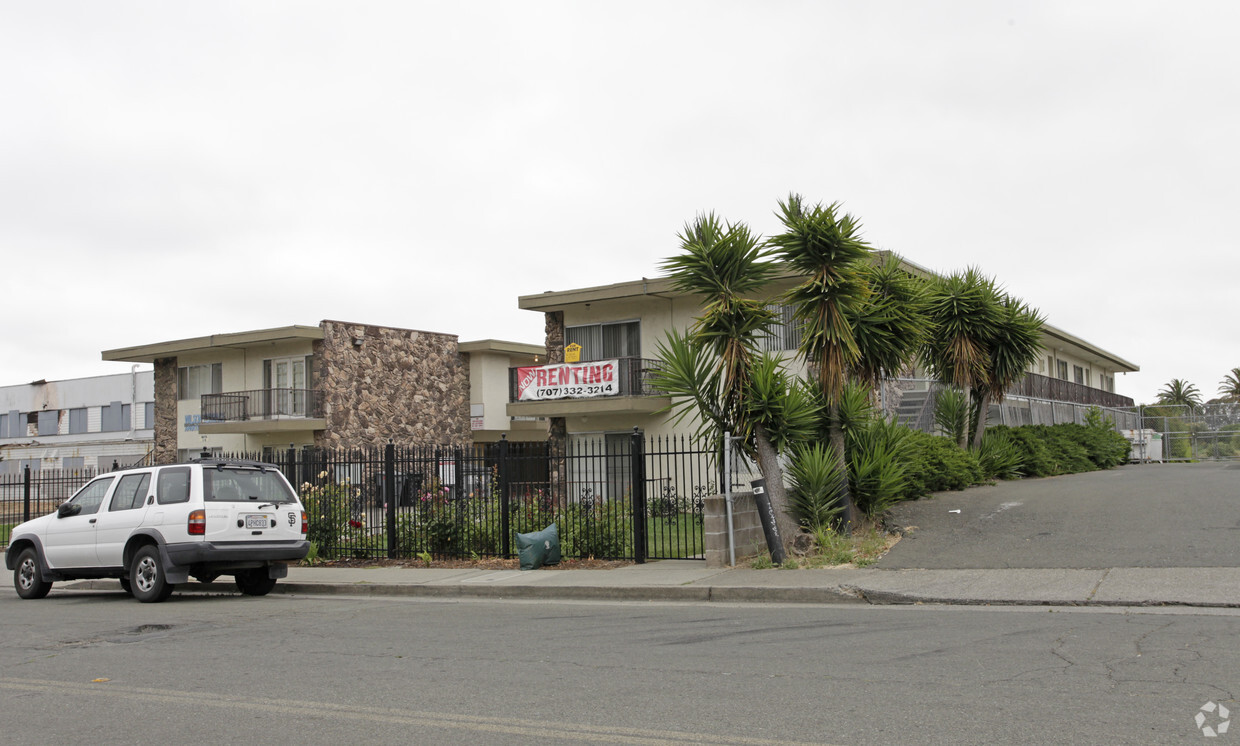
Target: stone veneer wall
(165, 411)
(410, 386)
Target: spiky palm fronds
(1229, 387)
(892, 326)
(1179, 392)
(826, 248)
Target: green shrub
(327, 513)
(816, 480)
(938, 464)
(1000, 457)
(878, 455)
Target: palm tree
(965, 311)
(1229, 387)
(826, 248)
(891, 326)
(1015, 344)
(1179, 392)
(716, 369)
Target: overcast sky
(171, 170)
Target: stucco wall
(410, 386)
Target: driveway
(1149, 515)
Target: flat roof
(553, 300)
(150, 352)
(499, 345)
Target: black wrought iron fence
(30, 493)
(619, 496)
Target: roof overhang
(150, 353)
(502, 347)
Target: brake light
(305, 524)
(197, 523)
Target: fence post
(389, 495)
(505, 523)
(290, 465)
(26, 493)
(637, 467)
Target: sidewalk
(690, 581)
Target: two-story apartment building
(336, 385)
(77, 424)
(625, 322)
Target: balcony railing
(634, 378)
(1057, 389)
(261, 404)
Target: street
(98, 667)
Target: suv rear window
(242, 484)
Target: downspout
(133, 399)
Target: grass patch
(831, 549)
(5, 530)
(674, 537)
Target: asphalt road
(91, 667)
(1153, 515)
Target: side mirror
(67, 509)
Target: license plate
(257, 521)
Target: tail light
(197, 525)
(305, 524)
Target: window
(1078, 374)
(241, 485)
(49, 422)
(148, 416)
(90, 496)
(1063, 369)
(130, 492)
(785, 333)
(605, 341)
(77, 421)
(114, 417)
(195, 380)
(173, 485)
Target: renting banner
(569, 381)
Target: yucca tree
(890, 328)
(1229, 387)
(1015, 344)
(965, 311)
(1179, 392)
(716, 370)
(825, 246)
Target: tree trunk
(773, 473)
(836, 435)
(964, 429)
(982, 410)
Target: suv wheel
(27, 578)
(255, 582)
(146, 576)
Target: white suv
(154, 527)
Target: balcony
(634, 393)
(262, 410)
(1035, 386)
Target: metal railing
(261, 404)
(1035, 386)
(635, 378)
(916, 406)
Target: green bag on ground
(539, 548)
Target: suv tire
(255, 582)
(146, 576)
(27, 577)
